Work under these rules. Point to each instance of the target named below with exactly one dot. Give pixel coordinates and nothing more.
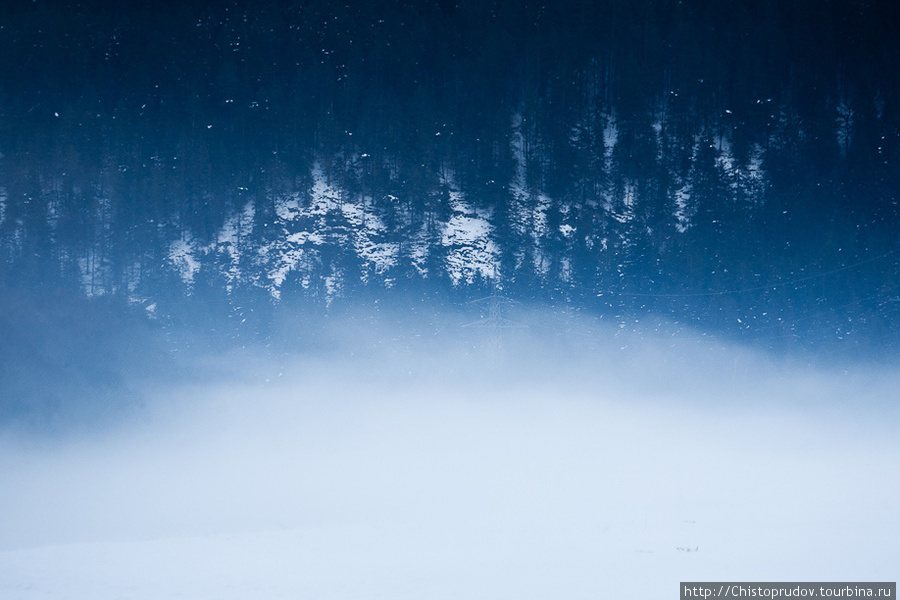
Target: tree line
(662, 155)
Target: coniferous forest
(731, 166)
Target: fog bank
(453, 465)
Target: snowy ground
(371, 481)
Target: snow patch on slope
(306, 229)
(725, 159)
(367, 226)
(288, 209)
(683, 208)
(471, 252)
(529, 210)
(230, 242)
(324, 195)
(182, 255)
(302, 225)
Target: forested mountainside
(731, 165)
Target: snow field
(342, 481)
